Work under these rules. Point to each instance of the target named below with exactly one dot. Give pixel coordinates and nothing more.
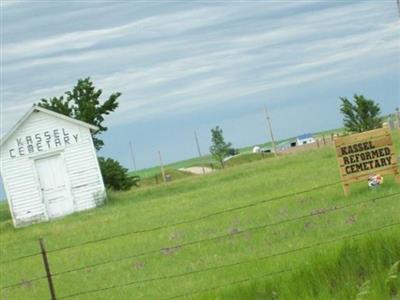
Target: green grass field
(207, 160)
(305, 236)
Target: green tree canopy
(362, 115)
(116, 176)
(219, 148)
(83, 103)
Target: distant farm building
(305, 139)
(283, 146)
(49, 167)
(256, 149)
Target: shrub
(115, 176)
(233, 151)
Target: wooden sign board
(362, 155)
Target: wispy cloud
(8, 3)
(204, 56)
(148, 28)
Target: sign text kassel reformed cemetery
(364, 154)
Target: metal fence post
(47, 268)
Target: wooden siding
(19, 173)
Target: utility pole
(162, 167)
(198, 150)
(398, 6)
(132, 155)
(270, 130)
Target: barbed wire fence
(179, 223)
(49, 275)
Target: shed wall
(19, 173)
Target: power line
(178, 223)
(351, 236)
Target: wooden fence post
(156, 178)
(47, 268)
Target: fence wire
(183, 222)
(118, 286)
(157, 251)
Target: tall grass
(359, 269)
(334, 271)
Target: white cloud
(147, 28)
(8, 3)
(177, 62)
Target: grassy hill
(153, 176)
(207, 160)
(151, 172)
(276, 228)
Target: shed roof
(305, 136)
(36, 108)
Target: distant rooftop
(305, 136)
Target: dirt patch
(318, 211)
(26, 284)
(234, 230)
(351, 220)
(176, 235)
(197, 170)
(170, 251)
(138, 265)
(308, 225)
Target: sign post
(362, 155)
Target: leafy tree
(115, 176)
(361, 116)
(83, 103)
(219, 148)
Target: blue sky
(191, 65)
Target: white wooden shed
(49, 167)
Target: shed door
(53, 179)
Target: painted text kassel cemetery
(49, 167)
